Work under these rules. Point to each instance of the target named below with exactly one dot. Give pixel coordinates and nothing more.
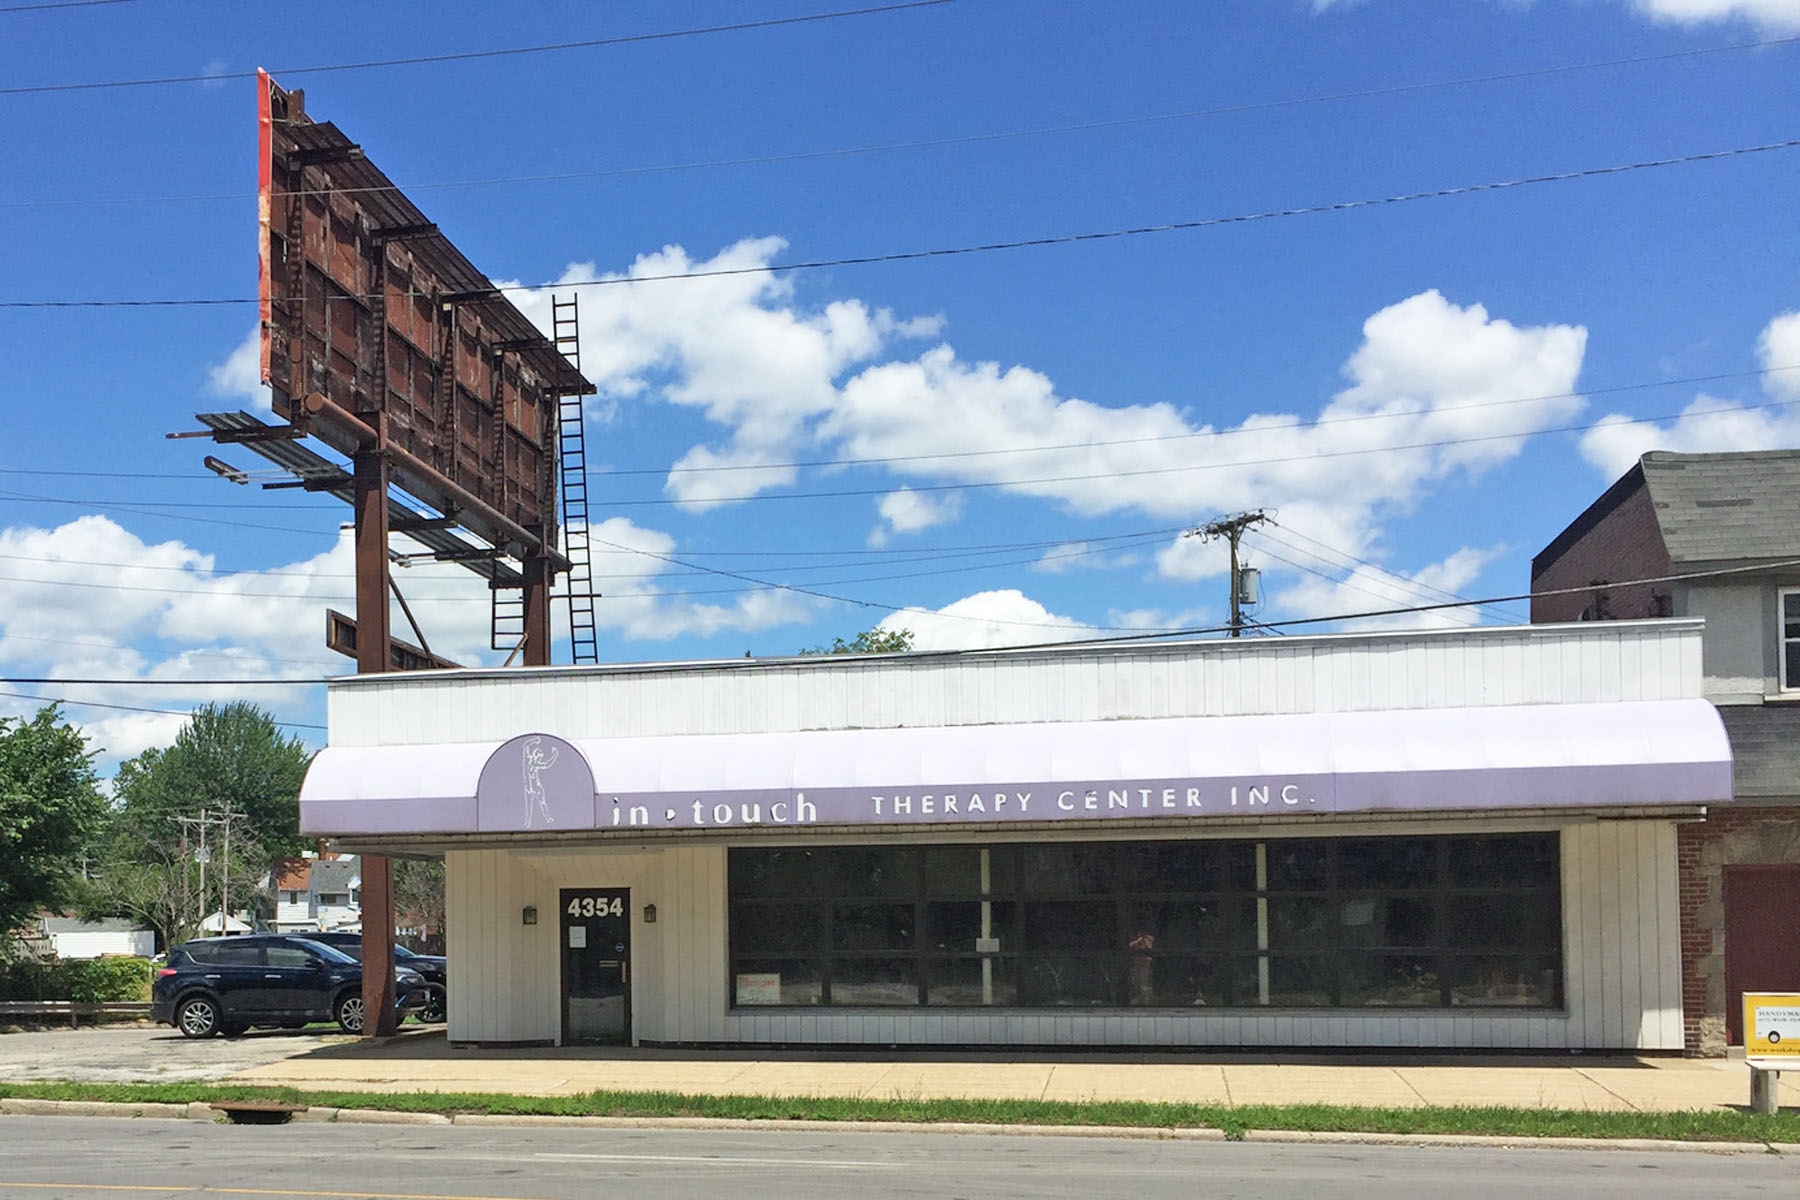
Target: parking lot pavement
(148, 1053)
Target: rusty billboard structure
(459, 418)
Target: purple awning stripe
(1644, 753)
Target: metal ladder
(571, 459)
(506, 619)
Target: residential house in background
(72, 937)
(1716, 536)
(319, 893)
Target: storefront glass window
(1426, 922)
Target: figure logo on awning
(535, 781)
(535, 763)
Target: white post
(1765, 1095)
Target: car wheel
(349, 1012)
(198, 1017)
(432, 1012)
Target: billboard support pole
(369, 468)
(536, 569)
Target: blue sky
(1004, 444)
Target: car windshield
(328, 953)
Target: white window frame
(1785, 645)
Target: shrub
(104, 980)
(87, 981)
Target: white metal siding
(1621, 955)
(1468, 668)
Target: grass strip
(1693, 1126)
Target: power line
(133, 508)
(957, 140)
(470, 55)
(1233, 431)
(946, 455)
(10, 636)
(1416, 586)
(1069, 239)
(169, 712)
(99, 585)
(901, 556)
(49, 4)
(1227, 465)
(987, 484)
(1125, 638)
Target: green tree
(50, 808)
(419, 897)
(869, 641)
(229, 763)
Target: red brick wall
(1702, 850)
(1626, 543)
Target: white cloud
(1006, 617)
(1775, 16)
(908, 511)
(239, 375)
(1710, 424)
(733, 347)
(90, 600)
(1083, 556)
(1434, 390)
(1371, 588)
(629, 558)
(1778, 349)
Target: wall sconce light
(529, 915)
(649, 914)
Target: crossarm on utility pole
(1231, 529)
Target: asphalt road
(43, 1157)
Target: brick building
(1714, 536)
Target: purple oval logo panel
(534, 781)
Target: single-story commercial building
(1460, 838)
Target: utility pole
(201, 855)
(1231, 529)
(227, 820)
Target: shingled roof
(1719, 507)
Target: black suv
(434, 967)
(227, 984)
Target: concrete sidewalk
(425, 1062)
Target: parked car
(434, 967)
(224, 985)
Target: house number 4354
(588, 906)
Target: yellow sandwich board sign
(1772, 1029)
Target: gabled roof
(104, 925)
(1715, 507)
(1736, 507)
(335, 875)
(294, 875)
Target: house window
(1422, 922)
(1790, 640)
(337, 899)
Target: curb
(201, 1111)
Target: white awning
(1648, 753)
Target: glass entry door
(596, 965)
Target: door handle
(209, 976)
(271, 977)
